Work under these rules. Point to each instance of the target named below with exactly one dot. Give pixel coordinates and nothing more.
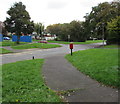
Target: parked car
(42, 41)
(6, 38)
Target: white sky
(52, 11)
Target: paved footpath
(61, 75)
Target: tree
(100, 14)
(19, 20)
(54, 29)
(73, 31)
(64, 32)
(113, 28)
(39, 29)
(76, 31)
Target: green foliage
(100, 14)
(114, 31)
(99, 64)
(19, 20)
(23, 82)
(36, 45)
(38, 28)
(54, 29)
(77, 31)
(73, 31)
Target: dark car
(42, 41)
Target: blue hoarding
(22, 38)
(1, 37)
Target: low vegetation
(36, 45)
(10, 43)
(112, 46)
(23, 82)
(3, 51)
(87, 42)
(99, 64)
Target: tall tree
(76, 31)
(39, 29)
(100, 15)
(19, 20)
(73, 31)
(54, 29)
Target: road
(42, 53)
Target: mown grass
(23, 82)
(87, 42)
(112, 46)
(36, 45)
(10, 43)
(99, 64)
(3, 51)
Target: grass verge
(87, 42)
(23, 82)
(112, 46)
(36, 45)
(3, 51)
(10, 43)
(99, 64)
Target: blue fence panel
(22, 38)
(26, 39)
(1, 37)
(14, 38)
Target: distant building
(49, 37)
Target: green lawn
(99, 64)
(3, 51)
(36, 45)
(23, 82)
(87, 42)
(112, 46)
(10, 43)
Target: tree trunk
(18, 39)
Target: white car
(6, 38)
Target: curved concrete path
(61, 75)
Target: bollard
(33, 57)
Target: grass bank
(3, 51)
(23, 82)
(99, 64)
(36, 45)
(87, 42)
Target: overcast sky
(52, 11)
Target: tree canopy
(113, 28)
(19, 20)
(100, 15)
(73, 31)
